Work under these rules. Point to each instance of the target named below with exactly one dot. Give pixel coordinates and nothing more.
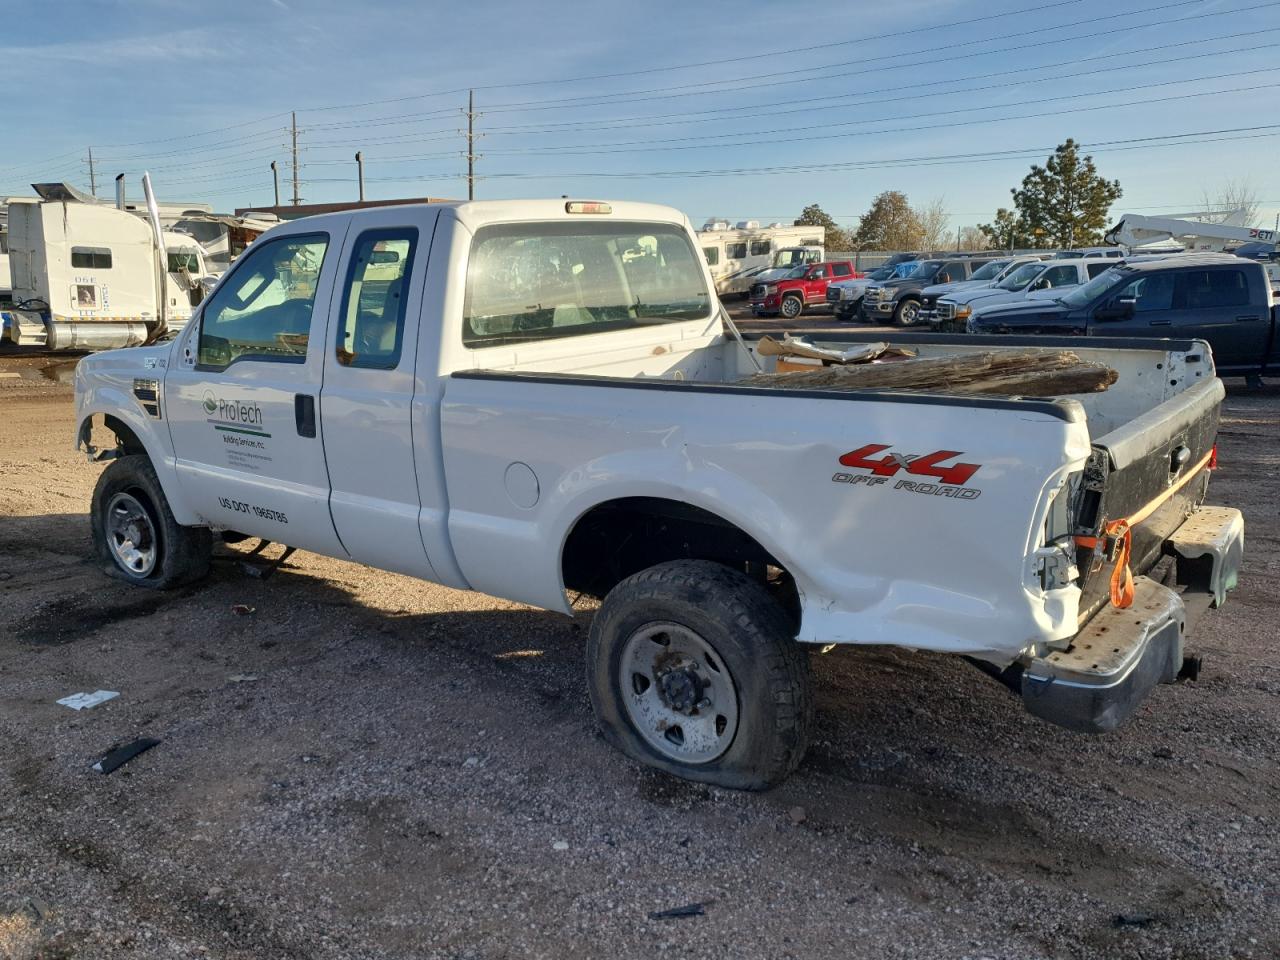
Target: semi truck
(503, 396)
(88, 276)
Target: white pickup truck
(538, 398)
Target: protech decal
(950, 477)
(233, 416)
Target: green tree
(814, 216)
(1007, 231)
(1065, 202)
(890, 224)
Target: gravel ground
(369, 766)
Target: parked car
(1216, 297)
(805, 286)
(987, 275)
(522, 407)
(1033, 279)
(899, 300)
(845, 296)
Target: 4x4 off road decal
(950, 477)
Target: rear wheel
(694, 669)
(907, 314)
(135, 534)
(792, 306)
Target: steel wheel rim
(909, 314)
(131, 535)
(678, 693)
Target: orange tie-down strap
(1122, 530)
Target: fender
(105, 396)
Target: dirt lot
(369, 766)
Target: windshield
(990, 270)
(540, 281)
(880, 273)
(789, 258)
(180, 260)
(1022, 276)
(1094, 288)
(905, 269)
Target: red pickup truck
(803, 286)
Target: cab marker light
(587, 206)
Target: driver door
(242, 400)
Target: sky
(736, 109)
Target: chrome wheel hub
(678, 692)
(131, 535)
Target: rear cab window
(545, 281)
(371, 325)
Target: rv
(735, 254)
(85, 277)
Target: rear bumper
(1119, 657)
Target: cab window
(91, 258)
(374, 298)
(1151, 292)
(1206, 289)
(841, 270)
(263, 310)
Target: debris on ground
(1132, 920)
(798, 815)
(83, 701)
(242, 609)
(677, 913)
(118, 757)
(243, 678)
(560, 845)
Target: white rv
(86, 276)
(736, 253)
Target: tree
(890, 224)
(1236, 201)
(935, 224)
(1007, 231)
(1065, 202)
(814, 216)
(975, 238)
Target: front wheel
(694, 669)
(907, 314)
(135, 533)
(792, 306)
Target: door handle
(1159, 323)
(304, 414)
(1247, 319)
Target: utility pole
(275, 177)
(360, 171)
(293, 129)
(93, 179)
(472, 157)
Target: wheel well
(616, 539)
(127, 441)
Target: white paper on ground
(79, 701)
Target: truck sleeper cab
(529, 398)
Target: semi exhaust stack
(120, 191)
(162, 261)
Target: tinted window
(1204, 289)
(1093, 269)
(712, 255)
(989, 271)
(373, 299)
(91, 258)
(759, 248)
(1151, 292)
(263, 309)
(841, 270)
(735, 251)
(539, 281)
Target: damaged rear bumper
(1120, 656)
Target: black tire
(753, 637)
(907, 313)
(181, 553)
(792, 306)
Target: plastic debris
(82, 701)
(121, 755)
(560, 845)
(243, 678)
(242, 609)
(677, 913)
(798, 815)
